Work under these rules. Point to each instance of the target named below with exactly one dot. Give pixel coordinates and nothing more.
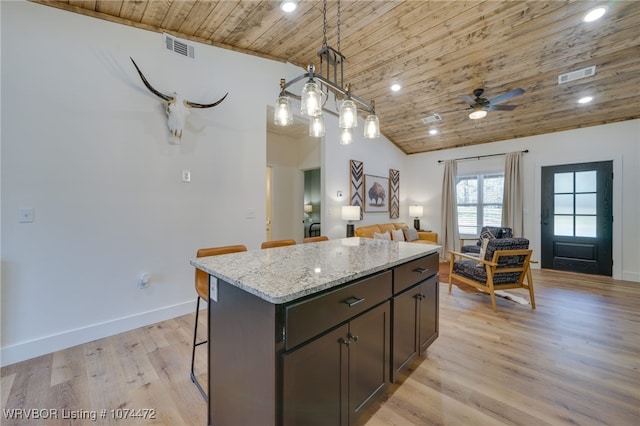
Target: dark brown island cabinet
(325, 358)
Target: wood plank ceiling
(437, 51)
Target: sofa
(368, 231)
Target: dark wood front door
(577, 216)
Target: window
(479, 200)
(575, 204)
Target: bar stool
(315, 239)
(278, 243)
(202, 290)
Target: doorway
(577, 217)
(312, 203)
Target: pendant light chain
(339, 50)
(324, 23)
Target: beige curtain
(449, 210)
(512, 197)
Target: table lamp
(350, 213)
(416, 212)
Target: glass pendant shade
(311, 100)
(348, 115)
(371, 127)
(316, 126)
(282, 115)
(346, 136)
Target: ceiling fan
(481, 105)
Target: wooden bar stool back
(202, 289)
(278, 243)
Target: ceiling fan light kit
(316, 91)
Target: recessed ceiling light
(595, 14)
(288, 6)
(433, 132)
(585, 99)
(395, 87)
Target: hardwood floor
(575, 360)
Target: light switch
(25, 215)
(251, 214)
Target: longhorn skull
(177, 110)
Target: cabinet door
(368, 358)
(405, 329)
(315, 381)
(428, 312)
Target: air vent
(178, 46)
(576, 75)
(431, 119)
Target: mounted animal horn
(177, 108)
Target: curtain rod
(477, 157)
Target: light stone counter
(283, 274)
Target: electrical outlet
(186, 176)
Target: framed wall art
(394, 194)
(376, 194)
(356, 192)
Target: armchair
(496, 232)
(505, 265)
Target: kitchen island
(315, 333)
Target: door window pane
(586, 204)
(562, 182)
(586, 181)
(586, 226)
(563, 204)
(563, 225)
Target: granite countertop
(283, 274)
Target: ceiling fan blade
(468, 99)
(506, 96)
(501, 107)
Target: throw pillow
(486, 234)
(397, 235)
(483, 248)
(410, 234)
(383, 236)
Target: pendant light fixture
(317, 89)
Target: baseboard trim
(42, 346)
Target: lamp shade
(350, 212)
(311, 100)
(415, 211)
(282, 115)
(316, 126)
(371, 127)
(346, 136)
(348, 115)
(308, 208)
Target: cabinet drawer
(311, 317)
(415, 271)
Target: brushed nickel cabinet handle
(352, 301)
(420, 270)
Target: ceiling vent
(178, 46)
(577, 75)
(431, 119)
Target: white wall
(85, 145)
(619, 142)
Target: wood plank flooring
(575, 360)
